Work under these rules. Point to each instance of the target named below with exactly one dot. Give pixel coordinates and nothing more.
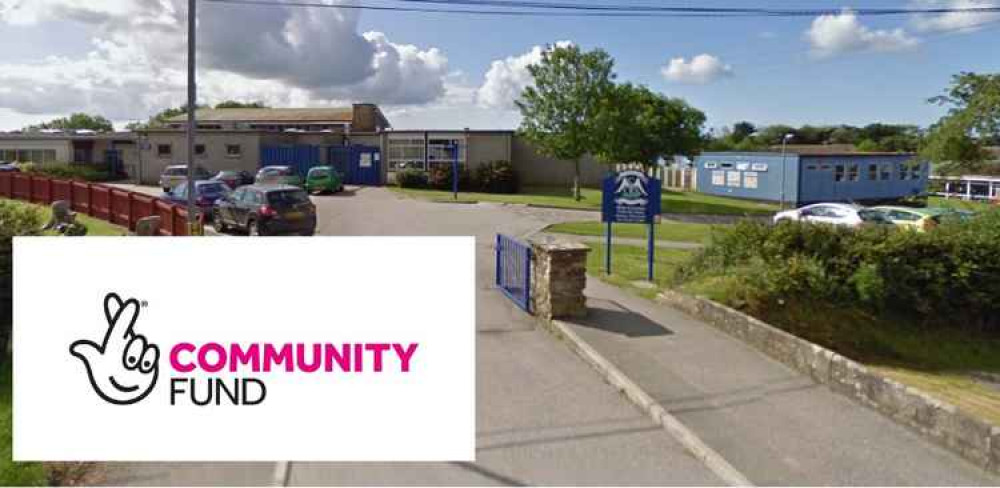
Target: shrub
(411, 178)
(73, 172)
(439, 177)
(497, 177)
(15, 220)
(950, 275)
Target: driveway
(543, 416)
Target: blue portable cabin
(811, 178)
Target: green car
(323, 179)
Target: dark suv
(267, 210)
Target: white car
(833, 213)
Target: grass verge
(667, 230)
(671, 201)
(95, 227)
(11, 473)
(628, 266)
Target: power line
(540, 8)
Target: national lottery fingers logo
(124, 367)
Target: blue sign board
(630, 197)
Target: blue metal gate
(300, 157)
(360, 165)
(513, 262)
(113, 158)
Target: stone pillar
(558, 276)
(148, 226)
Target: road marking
(711, 459)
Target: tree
(742, 130)
(77, 121)
(161, 117)
(237, 104)
(773, 134)
(558, 108)
(972, 122)
(636, 125)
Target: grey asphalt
(771, 423)
(543, 416)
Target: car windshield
(287, 197)
(319, 173)
(175, 171)
(869, 215)
(212, 189)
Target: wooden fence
(115, 205)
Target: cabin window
(838, 172)
(886, 172)
(873, 172)
(852, 172)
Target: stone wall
(558, 277)
(970, 437)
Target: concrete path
(543, 416)
(628, 241)
(773, 424)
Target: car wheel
(220, 225)
(253, 230)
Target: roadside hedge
(85, 172)
(491, 177)
(15, 220)
(948, 276)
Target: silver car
(176, 174)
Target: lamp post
(784, 142)
(191, 127)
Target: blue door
(360, 165)
(300, 157)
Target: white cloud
(283, 56)
(955, 21)
(507, 78)
(703, 68)
(834, 34)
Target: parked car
(278, 175)
(9, 168)
(322, 179)
(833, 213)
(921, 219)
(234, 178)
(206, 192)
(261, 209)
(176, 174)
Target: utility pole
(191, 107)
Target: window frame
(169, 152)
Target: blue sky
(855, 70)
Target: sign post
(630, 197)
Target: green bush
(15, 220)
(439, 177)
(950, 275)
(411, 178)
(83, 172)
(497, 177)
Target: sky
(126, 59)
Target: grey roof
(280, 115)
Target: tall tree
(972, 121)
(77, 121)
(559, 107)
(161, 117)
(636, 125)
(742, 130)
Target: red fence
(120, 207)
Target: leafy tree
(558, 109)
(742, 130)
(773, 134)
(238, 104)
(636, 125)
(77, 121)
(867, 145)
(161, 117)
(972, 121)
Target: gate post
(558, 276)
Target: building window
(852, 172)
(445, 151)
(234, 150)
(27, 155)
(886, 172)
(838, 172)
(406, 153)
(902, 171)
(750, 180)
(718, 178)
(733, 178)
(199, 150)
(873, 172)
(164, 150)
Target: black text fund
(217, 391)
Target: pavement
(546, 418)
(771, 423)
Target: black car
(266, 210)
(234, 178)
